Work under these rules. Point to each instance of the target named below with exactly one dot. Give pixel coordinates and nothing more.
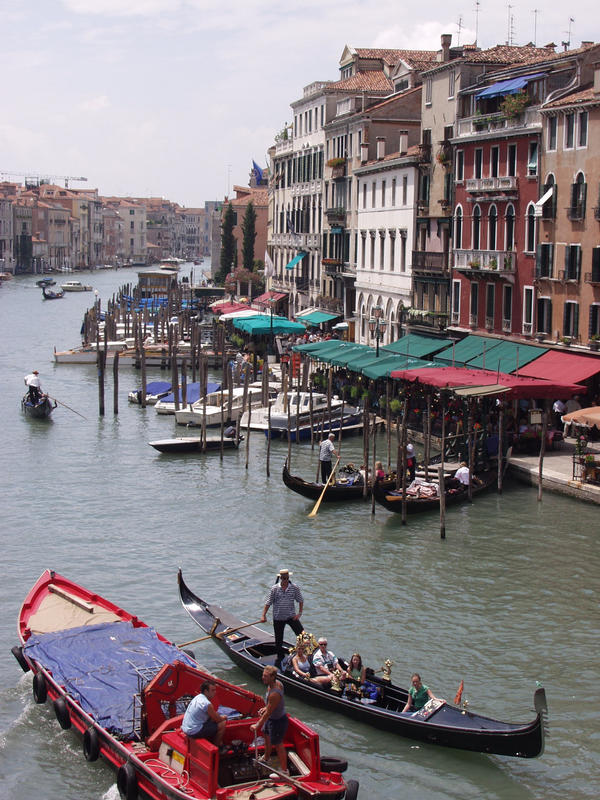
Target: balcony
(506, 325)
(593, 278)
(284, 146)
(492, 123)
(424, 153)
(332, 266)
(301, 282)
(576, 213)
(336, 216)
(499, 262)
(568, 275)
(507, 183)
(430, 262)
(306, 188)
(422, 317)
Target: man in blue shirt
(201, 720)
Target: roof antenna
(459, 25)
(477, 4)
(509, 8)
(535, 12)
(567, 44)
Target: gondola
(193, 444)
(348, 487)
(39, 410)
(392, 499)
(124, 689)
(252, 648)
(50, 294)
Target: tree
(249, 236)
(228, 246)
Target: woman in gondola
(302, 668)
(355, 670)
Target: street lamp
(377, 327)
(272, 348)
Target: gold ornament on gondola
(386, 670)
(307, 641)
(336, 680)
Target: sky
(175, 98)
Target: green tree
(228, 246)
(249, 236)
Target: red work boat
(123, 687)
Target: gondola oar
(313, 513)
(66, 406)
(226, 632)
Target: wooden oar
(313, 513)
(66, 406)
(226, 632)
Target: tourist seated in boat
(379, 471)
(418, 694)
(355, 670)
(302, 668)
(325, 661)
(464, 476)
(201, 720)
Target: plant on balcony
(283, 134)
(443, 157)
(507, 263)
(594, 342)
(566, 340)
(493, 263)
(580, 445)
(336, 162)
(513, 105)
(475, 263)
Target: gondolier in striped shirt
(283, 597)
(326, 451)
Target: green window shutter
(575, 327)
(583, 198)
(596, 264)
(567, 261)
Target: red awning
(563, 367)
(453, 377)
(227, 307)
(267, 296)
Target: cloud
(94, 104)
(123, 8)
(422, 36)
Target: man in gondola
(32, 381)
(326, 451)
(283, 597)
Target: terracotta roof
(419, 59)
(510, 54)
(375, 81)
(394, 99)
(260, 197)
(586, 95)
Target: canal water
(508, 599)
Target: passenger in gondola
(32, 381)
(325, 661)
(201, 720)
(418, 694)
(379, 471)
(355, 670)
(302, 668)
(463, 475)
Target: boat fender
(17, 652)
(351, 790)
(61, 710)
(127, 782)
(190, 653)
(40, 693)
(91, 744)
(333, 764)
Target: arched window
(549, 207)
(476, 228)
(578, 196)
(458, 228)
(492, 228)
(530, 229)
(509, 234)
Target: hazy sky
(176, 97)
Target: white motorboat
(87, 353)
(194, 414)
(166, 404)
(75, 286)
(299, 412)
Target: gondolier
(32, 381)
(283, 597)
(326, 451)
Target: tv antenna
(477, 4)
(535, 12)
(510, 31)
(567, 44)
(459, 25)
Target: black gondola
(193, 444)
(50, 294)
(252, 648)
(40, 409)
(348, 488)
(456, 492)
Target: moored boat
(155, 391)
(349, 485)
(166, 404)
(299, 412)
(423, 495)
(123, 687)
(219, 406)
(75, 286)
(193, 444)
(252, 648)
(39, 410)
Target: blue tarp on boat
(192, 392)
(99, 665)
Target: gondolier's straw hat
(35, 372)
(285, 573)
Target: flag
(269, 266)
(257, 172)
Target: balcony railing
(567, 275)
(284, 146)
(455, 318)
(301, 283)
(424, 153)
(432, 262)
(336, 216)
(500, 261)
(527, 328)
(503, 184)
(332, 266)
(306, 187)
(506, 325)
(489, 323)
(490, 123)
(473, 320)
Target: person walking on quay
(326, 451)
(32, 381)
(283, 597)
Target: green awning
(508, 356)
(382, 367)
(469, 348)
(347, 355)
(295, 260)
(416, 345)
(319, 351)
(264, 324)
(316, 317)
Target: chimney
(403, 145)
(380, 148)
(364, 152)
(446, 41)
(597, 77)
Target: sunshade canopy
(267, 297)
(316, 317)
(264, 324)
(554, 365)
(584, 416)
(468, 348)
(382, 367)
(512, 86)
(417, 346)
(508, 357)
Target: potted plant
(594, 342)
(566, 341)
(513, 105)
(493, 263)
(336, 162)
(475, 264)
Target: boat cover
(157, 387)
(192, 392)
(103, 666)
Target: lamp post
(377, 327)
(272, 348)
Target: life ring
(333, 764)
(91, 744)
(351, 790)
(17, 652)
(40, 692)
(127, 782)
(61, 710)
